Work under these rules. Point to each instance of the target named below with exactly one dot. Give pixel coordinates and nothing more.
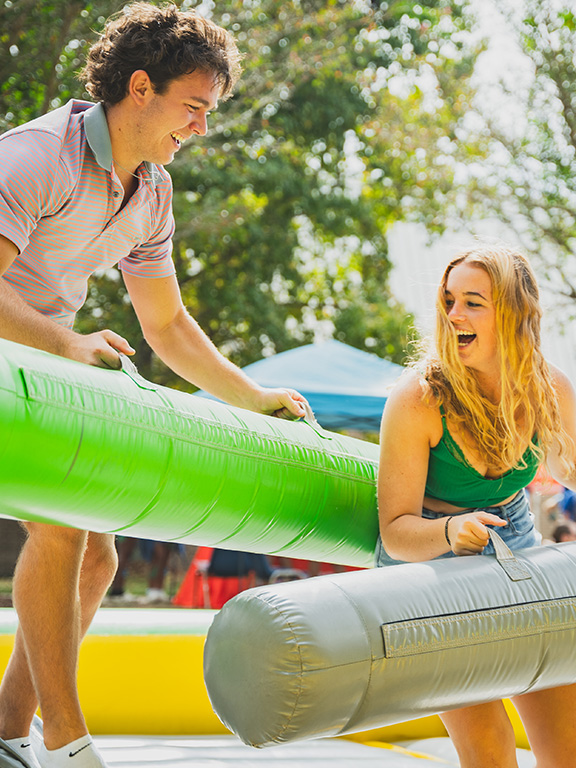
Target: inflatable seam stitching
(186, 415)
(402, 646)
(289, 461)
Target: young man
(83, 188)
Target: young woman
(463, 434)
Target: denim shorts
(518, 534)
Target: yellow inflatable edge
(153, 684)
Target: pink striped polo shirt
(60, 204)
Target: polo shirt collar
(98, 137)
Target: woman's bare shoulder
(561, 382)
(412, 393)
(563, 387)
(411, 423)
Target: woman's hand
(468, 533)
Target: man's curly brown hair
(163, 41)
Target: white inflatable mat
(222, 751)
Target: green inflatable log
(108, 451)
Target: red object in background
(202, 590)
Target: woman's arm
(405, 439)
(410, 426)
(567, 406)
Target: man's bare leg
(60, 580)
(18, 700)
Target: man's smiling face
(168, 119)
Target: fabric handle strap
(515, 570)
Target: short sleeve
(154, 257)
(34, 182)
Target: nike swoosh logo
(23, 746)
(79, 750)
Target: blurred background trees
(346, 121)
(527, 179)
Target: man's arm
(180, 342)
(21, 323)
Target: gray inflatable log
(353, 651)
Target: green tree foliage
(341, 125)
(42, 43)
(530, 183)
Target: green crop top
(451, 478)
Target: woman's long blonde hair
(528, 407)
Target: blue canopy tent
(346, 387)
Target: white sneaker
(80, 753)
(18, 754)
(37, 734)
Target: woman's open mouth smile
(465, 338)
